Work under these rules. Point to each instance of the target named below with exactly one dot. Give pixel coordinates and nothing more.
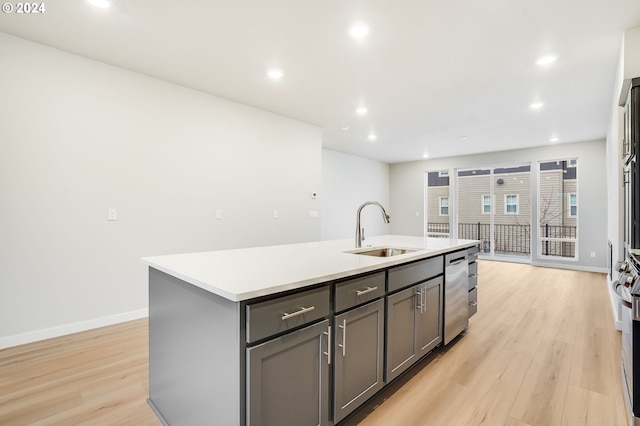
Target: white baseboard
(516, 259)
(572, 267)
(48, 333)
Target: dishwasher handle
(455, 259)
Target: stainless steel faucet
(360, 231)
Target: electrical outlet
(275, 214)
(112, 214)
(593, 254)
(313, 213)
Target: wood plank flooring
(542, 350)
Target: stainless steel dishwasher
(456, 294)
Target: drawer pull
(302, 310)
(473, 276)
(473, 304)
(365, 291)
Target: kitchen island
(259, 335)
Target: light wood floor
(542, 350)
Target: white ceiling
(430, 72)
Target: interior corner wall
(408, 192)
(347, 182)
(78, 137)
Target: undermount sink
(384, 251)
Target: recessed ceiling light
(104, 4)
(554, 139)
(425, 155)
(275, 73)
(462, 138)
(359, 31)
(536, 105)
(546, 60)
(372, 136)
(345, 128)
(361, 110)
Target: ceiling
(442, 77)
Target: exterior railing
(511, 239)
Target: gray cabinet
(285, 313)
(305, 357)
(429, 316)
(359, 357)
(414, 325)
(288, 377)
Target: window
(572, 205)
(486, 204)
(511, 204)
(444, 206)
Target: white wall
(628, 67)
(631, 52)
(78, 136)
(347, 182)
(408, 183)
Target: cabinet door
(359, 357)
(401, 331)
(429, 315)
(287, 379)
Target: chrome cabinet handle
(474, 304)
(344, 337)
(302, 310)
(366, 290)
(424, 301)
(473, 276)
(328, 352)
(419, 293)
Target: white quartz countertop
(242, 274)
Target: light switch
(219, 214)
(112, 214)
(275, 214)
(313, 213)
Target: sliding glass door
(491, 204)
(494, 206)
(475, 206)
(558, 209)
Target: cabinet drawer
(359, 290)
(284, 313)
(405, 275)
(473, 302)
(472, 254)
(473, 275)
